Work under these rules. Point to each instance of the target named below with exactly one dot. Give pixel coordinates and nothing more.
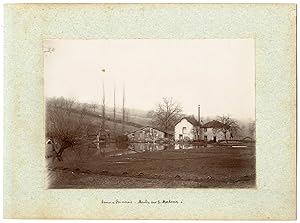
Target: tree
(196, 131)
(61, 102)
(93, 106)
(228, 125)
(252, 129)
(65, 127)
(166, 114)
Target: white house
(187, 129)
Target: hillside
(131, 115)
(94, 121)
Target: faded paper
(273, 26)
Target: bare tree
(166, 114)
(65, 127)
(93, 106)
(197, 132)
(228, 125)
(61, 102)
(252, 129)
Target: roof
(213, 124)
(191, 120)
(169, 132)
(149, 127)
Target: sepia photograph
(150, 111)
(144, 113)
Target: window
(183, 130)
(205, 129)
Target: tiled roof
(213, 124)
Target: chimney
(199, 119)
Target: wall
(188, 132)
(146, 133)
(211, 133)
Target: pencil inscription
(145, 201)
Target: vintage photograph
(150, 113)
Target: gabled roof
(169, 132)
(191, 120)
(213, 124)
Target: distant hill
(95, 120)
(135, 116)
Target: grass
(202, 167)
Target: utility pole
(199, 117)
(103, 102)
(114, 108)
(103, 106)
(123, 118)
(127, 115)
(199, 123)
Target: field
(215, 166)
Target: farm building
(148, 134)
(188, 128)
(211, 133)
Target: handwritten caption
(145, 201)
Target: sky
(217, 74)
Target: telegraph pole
(199, 122)
(102, 128)
(123, 118)
(127, 115)
(103, 103)
(103, 106)
(114, 108)
(199, 117)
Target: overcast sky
(217, 74)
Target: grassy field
(202, 167)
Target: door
(215, 139)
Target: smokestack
(199, 118)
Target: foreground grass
(218, 167)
